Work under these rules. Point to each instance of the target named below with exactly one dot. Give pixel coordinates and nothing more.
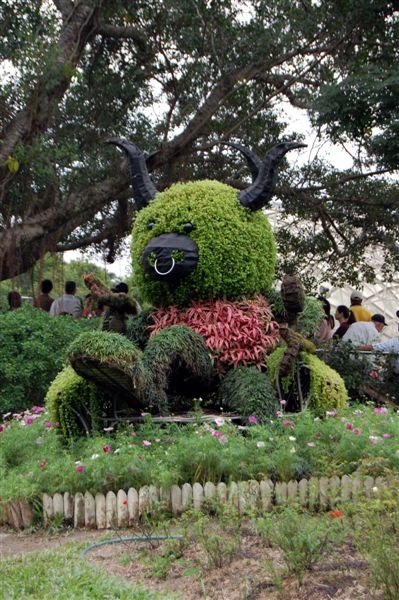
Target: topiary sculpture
(204, 259)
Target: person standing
(14, 300)
(342, 314)
(359, 312)
(68, 304)
(44, 300)
(327, 325)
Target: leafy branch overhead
(178, 77)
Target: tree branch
(45, 97)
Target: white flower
(117, 451)
(78, 462)
(375, 489)
(260, 444)
(94, 456)
(292, 438)
(292, 450)
(219, 421)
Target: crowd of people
(357, 325)
(71, 304)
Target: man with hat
(365, 332)
(359, 312)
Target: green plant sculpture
(204, 259)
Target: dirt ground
(247, 575)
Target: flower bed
(362, 439)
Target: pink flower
(288, 423)
(106, 448)
(2, 428)
(28, 420)
(48, 424)
(279, 414)
(79, 469)
(349, 426)
(373, 439)
(43, 464)
(37, 409)
(356, 431)
(386, 435)
(331, 413)
(145, 443)
(373, 374)
(252, 419)
(215, 433)
(108, 429)
(283, 402)
(381, 410)
(219, 421)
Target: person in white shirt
(365, 332)
(387, 347)
(68, 304)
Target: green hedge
(32, 352)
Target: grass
(65, 575)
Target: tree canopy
(177, 77)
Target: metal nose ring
(164, 272)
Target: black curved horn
(143, 188)
(254, 162)
(261, 190)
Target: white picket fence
(124, 509)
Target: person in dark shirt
(342, 314)
(44, 300)
(14, 300)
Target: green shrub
(303, 539)
(32, 352)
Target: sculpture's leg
(74, 404)
(177, 363)
(248, 391)
(111, 362)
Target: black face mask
(170, 256)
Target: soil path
(16, 543)
(343, 576)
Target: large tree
(178, 77)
